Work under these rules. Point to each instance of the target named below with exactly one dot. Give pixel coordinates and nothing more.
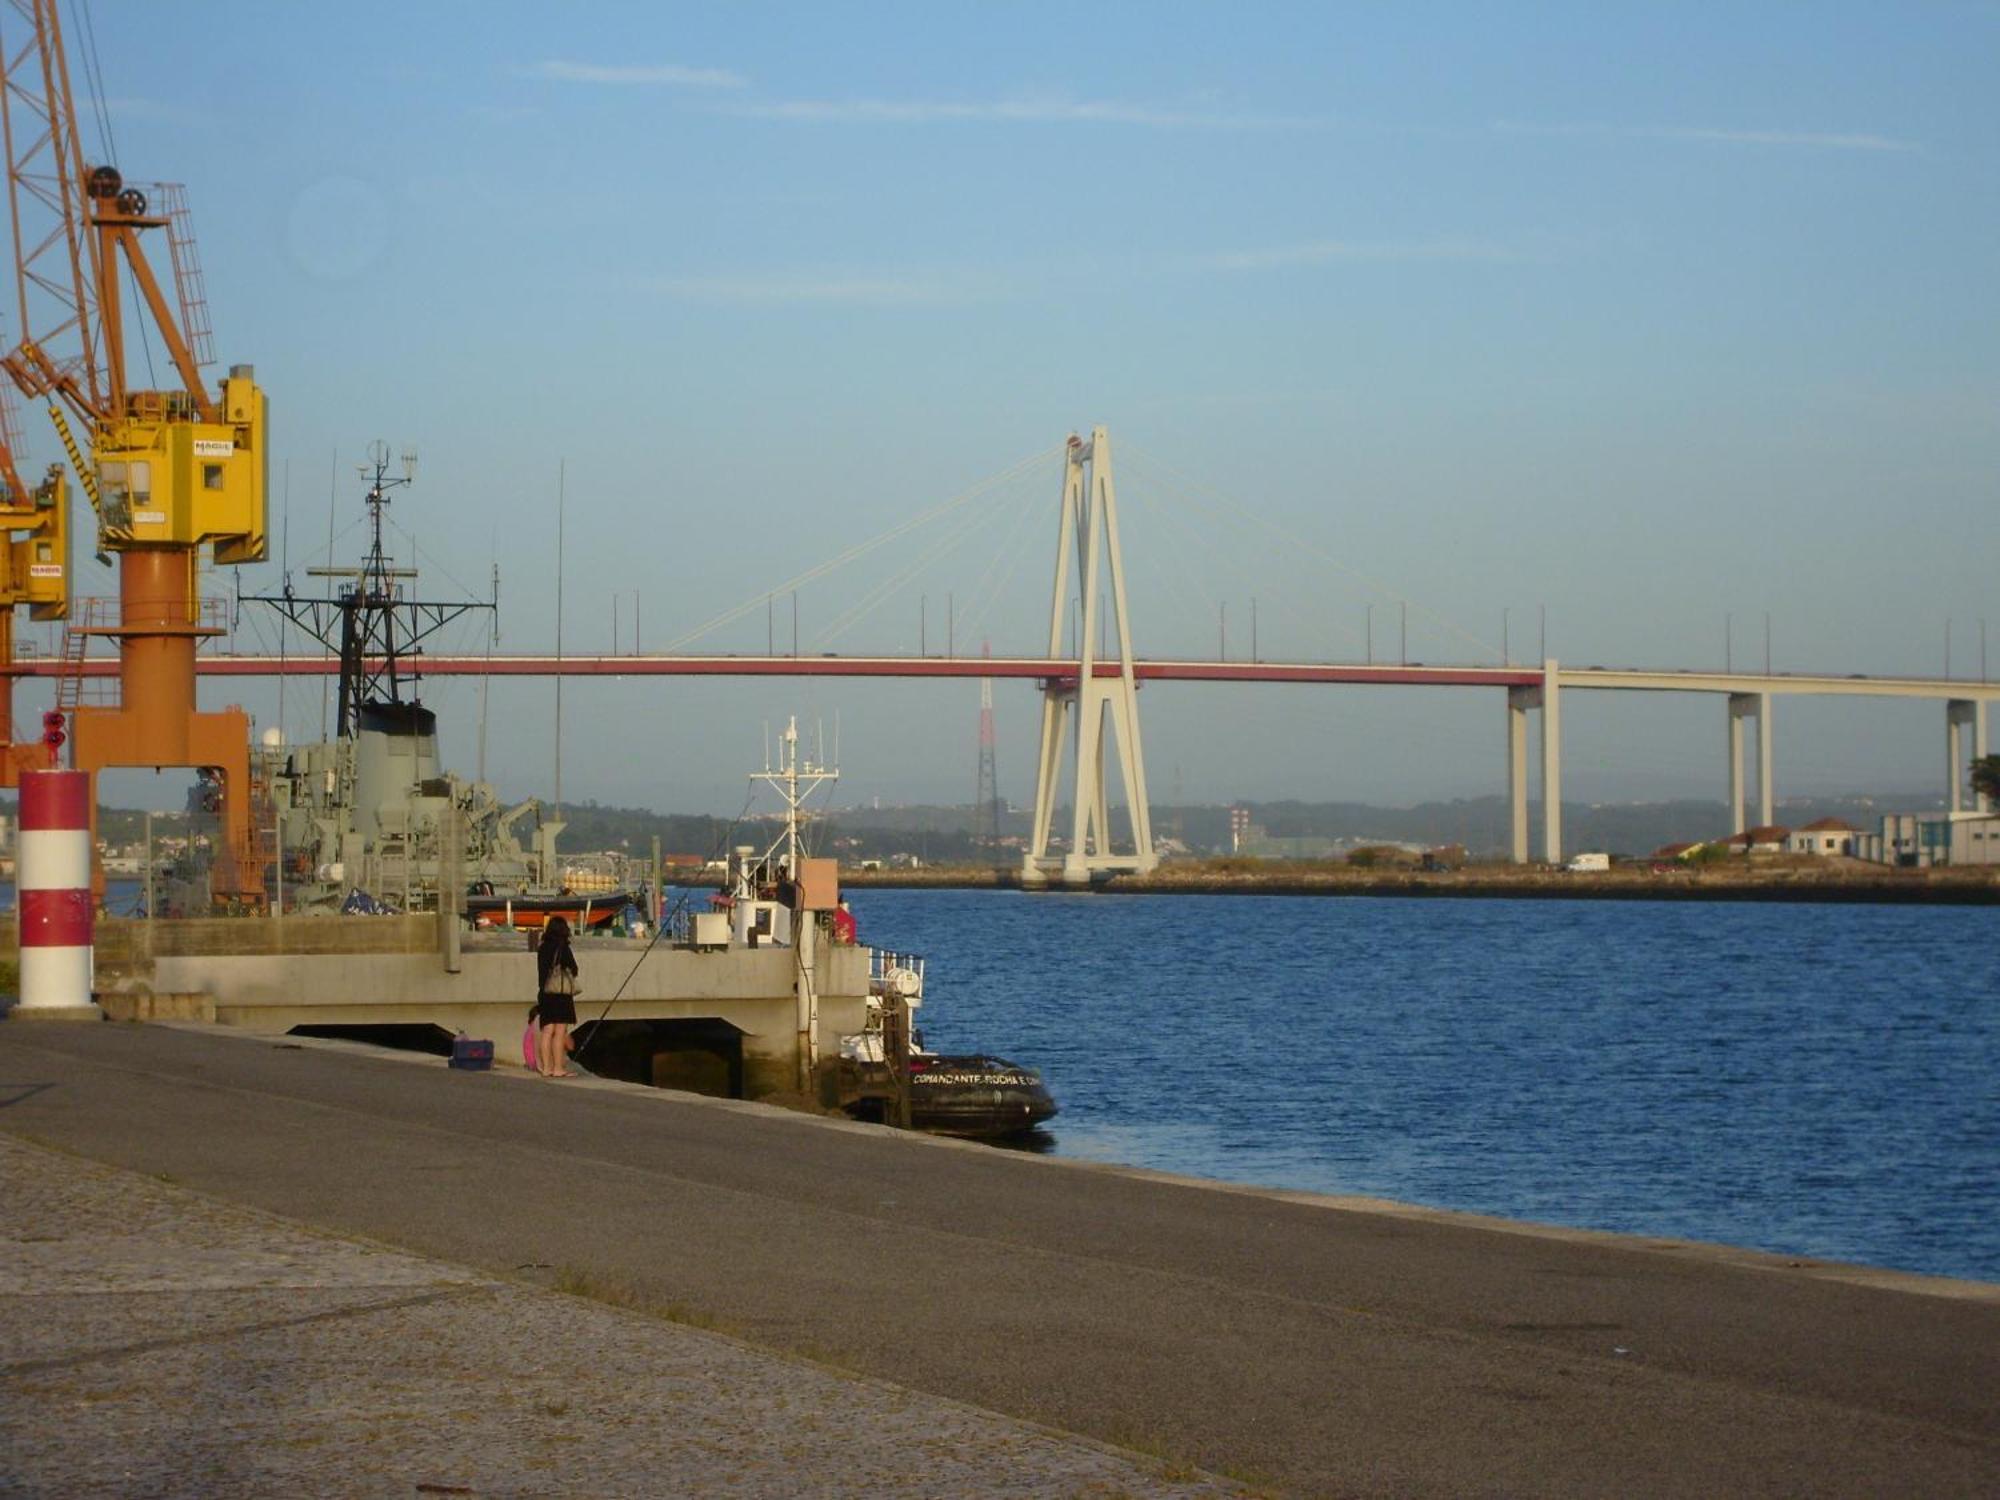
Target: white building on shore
(1919, 841)
(1823, 837)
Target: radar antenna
(368, 621)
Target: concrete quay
(273, 974)
(1295, 1344)
(158, 1341)
(1803, 879)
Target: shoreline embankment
(1797, 883)
(1115, 1306)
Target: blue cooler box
(471, 1054)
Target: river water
(1816, 1080)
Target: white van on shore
(1588, 864)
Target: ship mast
(795, 782)
(369, 622)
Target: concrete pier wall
(269, 975)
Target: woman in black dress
(555, 999)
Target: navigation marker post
(52, 873)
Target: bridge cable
(1004, 562)
(1155, 506)
(888, 586)
(860, 549)
(1168, 544)
(1294, 539)
(662, 921)
(1006, 557)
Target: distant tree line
(939, 834)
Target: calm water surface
(1816, 1080)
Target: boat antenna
(795, 783)
(562, 477)
(368, 617)
(332, 499)
(486, 677)
(284, 572)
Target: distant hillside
(1479, 823)
(944, 835)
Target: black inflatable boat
(987, 1098)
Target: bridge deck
(1037, 668)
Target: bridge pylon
(1080, 711)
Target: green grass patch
(575, 1282)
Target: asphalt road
(1310, 1346)
(160, 1342)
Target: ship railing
(882, 962)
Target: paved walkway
(1311, 1345)
(154, 1341)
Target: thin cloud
(831, 288)
(1328, 252)
(1819, 140)
(502, 114)
(133, 107)
(1808, 139)
(960, 285)
(672, 75)
(1021, 111)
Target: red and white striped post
(52, 877)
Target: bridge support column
(1738, 708)
(1552, 802)
(1964, 742)
(1092, 703)
(1766, 739)
(1519, 701)
(1981, 714)
(1750, 706)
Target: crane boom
(55, 261)
(168, 471)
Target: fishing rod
(660, 926)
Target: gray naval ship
(370, 820)
(749, 991)
(373, 820)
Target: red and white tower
(52, 875)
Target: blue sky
(1648, 316)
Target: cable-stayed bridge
(1090, 673)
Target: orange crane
(34, 570)
(168, 472)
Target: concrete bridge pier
(1749, 706)
(1519, 701)
(1093, 702)
(1964, 742)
